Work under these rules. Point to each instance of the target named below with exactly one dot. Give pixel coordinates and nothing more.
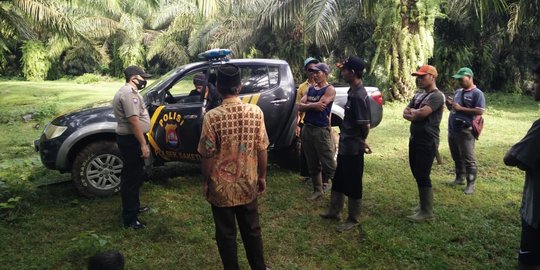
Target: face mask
(139, 83)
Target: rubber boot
(353, 219)
(317, 187)
(471, 179)
(336, 205)
(459, 180)
(426, 206)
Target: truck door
(176, 124)
(261, 86)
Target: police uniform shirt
(128, 102)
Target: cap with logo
(310, 60)
(462, 72)
(320, 67)
(353, 63)
(135, 70)
(426, 69)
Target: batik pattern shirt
(232, 134)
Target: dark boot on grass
(317, 188)
(459, 180)
(353, 219)
(471, 179)
(426, 206)
(336, 205)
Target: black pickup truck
(83, 142)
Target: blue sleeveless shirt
(317, 118)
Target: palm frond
(96, 27)
(172, 11)
(57, 45)
(47, 13)
(12, 22)
(323, 23)
(201, 36)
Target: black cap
(135, 70)
(199, 79)
(228, 77)
(353, 63)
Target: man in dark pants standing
(352, 145)
(467, 103)
(425, 112)
(233, 146)
(526, 156)
(133, 123)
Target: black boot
(459, 180)
(336, 205)
(471, 179)
(317, 188)
(353, 219)
(426, 205)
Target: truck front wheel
(97, 168)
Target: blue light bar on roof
(215, 54)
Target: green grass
(470, 232)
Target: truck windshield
(157, 83)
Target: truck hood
(86, 116)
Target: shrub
(90, 78)
(35, 61)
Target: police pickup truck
(83, 142)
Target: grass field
(55, 228)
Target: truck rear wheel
(97, 168)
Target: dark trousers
(132, 176)
(461, 145)
(248, 221)
(420, 160)
(303, 162)
(348, 177)
(529, 253)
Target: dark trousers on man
(132, 176)
(421, 160)
(248, 221)
(349, 174)
(461, 145)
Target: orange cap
(426, 69)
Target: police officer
(133, 123)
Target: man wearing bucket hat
(302, 89)
(316, 133)
(468, 102)
(425, 113)
(352, 145)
